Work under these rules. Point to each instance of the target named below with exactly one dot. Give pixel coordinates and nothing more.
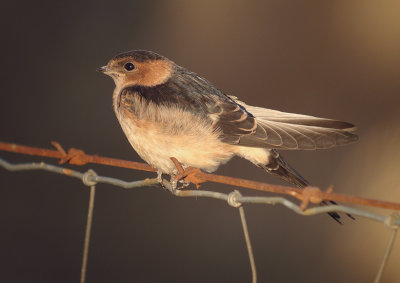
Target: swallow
(168, 111)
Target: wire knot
(89, 178)
(389, 221)
(74, 156)
(232, 199)
(310, 194)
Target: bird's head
(138, 68)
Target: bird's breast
(158, 132)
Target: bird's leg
(160, 179)
(174, 183)
(190, 175)
(173, 180)
(177, 183)
(159, 176)
(184, 171)
(184, 183)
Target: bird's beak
(103, 69)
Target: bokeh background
(334, 59)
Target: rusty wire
(235, 199)
(310, 194)
(231, 198)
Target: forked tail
(279, 167)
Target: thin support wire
(233, 201)
(386, 255)
(248, 244)
(87, 233)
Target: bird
(167, 111)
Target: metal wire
(307, 195)
(248, 244)
(385, 258)
(234, 199)
(87, 234)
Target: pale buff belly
(188, 139)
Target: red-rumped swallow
(168, 111)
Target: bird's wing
(247, 125)
(243, 124)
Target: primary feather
(295, 131)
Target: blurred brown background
(335, 59)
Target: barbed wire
(234, 198)
(309, 194)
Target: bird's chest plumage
(159, 132)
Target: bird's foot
(159, 176)
(184, 183)
(190, 175)
(178, 184)
(174, 183)
(160, 179)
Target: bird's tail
(278, 167)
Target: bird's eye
(129, 66)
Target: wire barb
(201, 193)
(78, 157)
(310, 194)
(235, 199)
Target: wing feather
(260, 127)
